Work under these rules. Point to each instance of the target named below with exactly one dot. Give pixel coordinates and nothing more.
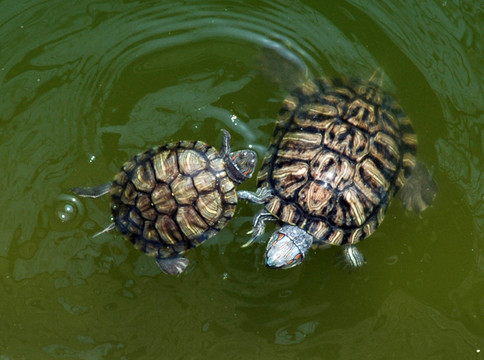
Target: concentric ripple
(108, 80)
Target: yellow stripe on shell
(409, 160)
(332, 169)
(190, 222)
(336, 237)
(210, 207)
(204, 181)
(183, 190)
(168, 230)
(372, 174)
(357, 209)
(289, 178)
(166, 166)
(163, 200)
(190, 162)
(355, 236)
(143, 177)
(389, 144)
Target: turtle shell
(172, 197)
(340, 151)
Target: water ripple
(105, 81)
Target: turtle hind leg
(174, 265)
(420, 189)
(93, 192)
(352, 256)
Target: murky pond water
(86, 85)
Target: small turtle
(173, 197)
(341, 150)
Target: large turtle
(341, 150)
(173, 197)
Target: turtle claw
(259, 227)
(248, 243)
(256, 233)
(105, 230)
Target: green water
(86, 85)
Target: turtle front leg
(93, 192)
(259, 225)
(225, 150)
(173, 265)
(261, 196)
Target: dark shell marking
(341, 150)
(172, 198)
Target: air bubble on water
(234, 119)
(92, 158)
(225, 276)
(68, 211)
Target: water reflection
(284, 336)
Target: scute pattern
(340, 151)
(172, 197)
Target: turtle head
(287, 247)
(240, 164)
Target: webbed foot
(420, 189)
(174, 265)
(352, 256)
